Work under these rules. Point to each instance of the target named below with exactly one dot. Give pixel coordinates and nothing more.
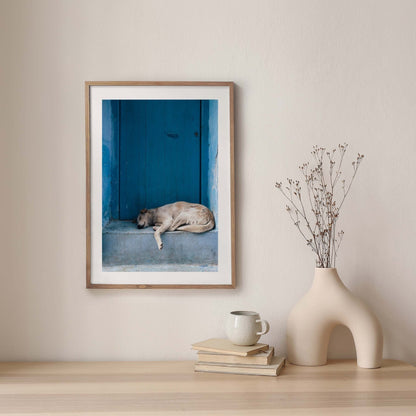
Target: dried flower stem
(317, 222)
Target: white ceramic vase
(328, 304)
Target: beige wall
(307, 72)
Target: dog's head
(144, 219)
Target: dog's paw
(155, 228)
(160, 246)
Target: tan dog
(180, 216)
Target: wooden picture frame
(149, 144)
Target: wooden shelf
(172, 388)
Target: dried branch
(317, 221)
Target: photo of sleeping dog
(179, 216)
(156, 155)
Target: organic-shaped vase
(328, 304)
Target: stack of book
(218, 355)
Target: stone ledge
(126, 245)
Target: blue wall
(157, 152)
(209, 156)
(110, 160)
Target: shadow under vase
(127, 248)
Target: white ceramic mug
(245, 327)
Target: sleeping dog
(180, 216)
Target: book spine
(227, 359)
(240, 371)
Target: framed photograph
(160, 185)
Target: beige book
(261, 358)
(273, 369)
(222, 345)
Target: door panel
(159, 154)
(132, 157)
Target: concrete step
(125, 245)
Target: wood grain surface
(171, 388)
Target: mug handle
(266, 327)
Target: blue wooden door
(160, 154)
